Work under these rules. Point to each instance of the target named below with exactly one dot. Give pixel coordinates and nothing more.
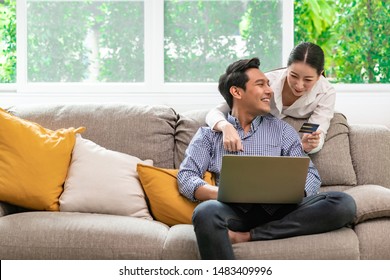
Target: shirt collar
(254, 125)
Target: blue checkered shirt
(268, 136)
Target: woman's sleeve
(217, 114)
(323, 114)
(319, 147)
(324, 111)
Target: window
(85, 41)
(354, 35)
(143, 46)
(202, 37)
(172, 46)
(8, 41)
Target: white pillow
(103, 181)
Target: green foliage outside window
(195, 39)
(124, 59)
(59, 30)
(55, 56)
(354, 35)
(199, 36)
(8, 41)
(264, 33)
(202, 37)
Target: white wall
(365, 108)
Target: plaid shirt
(268, 136)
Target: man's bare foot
(238, 237)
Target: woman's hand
(231, 139)
(310, 141)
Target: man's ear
(235, 92)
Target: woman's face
(301, 78)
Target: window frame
(153, 86)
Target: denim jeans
(315, 214)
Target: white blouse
(317, 105)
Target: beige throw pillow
(103, 181)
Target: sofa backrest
(187, 125)
(158, 133)
(146, 132)
(334, 161)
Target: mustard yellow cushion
(166, 203)
(33, 162)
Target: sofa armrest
(370, 152)
(372, 202)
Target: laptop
(262, 179)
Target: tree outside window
(8, 41)
(354, 35)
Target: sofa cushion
(34, 162)
(374, 241)
(186, 127)
(372, 202)
(75, 236)
(143, 131)
(340, 244)
(334, 161)
(334, 245)
(181, 244)
(370, 150)
(103, 181)
(166, 203)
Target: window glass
(202, 37)
(353, 34)
(85, 41)
(8, 41)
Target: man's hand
(206, 192)
(310, 141)
(231, 139)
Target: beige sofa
(355, 159)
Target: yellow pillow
(166, 203)
(33, 162)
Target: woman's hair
(309, 53)
(235, 76)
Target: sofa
(355, 159)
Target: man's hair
(235, 76)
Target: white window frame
(153, 90)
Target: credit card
(309, 127)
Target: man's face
(257, 96)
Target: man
(218, 225)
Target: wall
(365, 108)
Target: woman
(300, 91)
